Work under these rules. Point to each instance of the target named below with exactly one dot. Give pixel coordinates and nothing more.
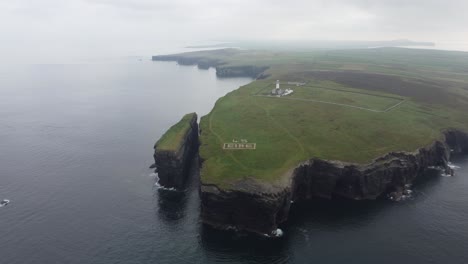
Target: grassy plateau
(173, 139)
(355, 106)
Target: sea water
(75, 145)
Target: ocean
(76, 143)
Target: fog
(62, 30)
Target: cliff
(259, 208)
(222, 70)
(175, 150)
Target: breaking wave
(159, 186)
(453, 166)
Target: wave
(159, 186)
(453, 166)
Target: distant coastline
(317, 44)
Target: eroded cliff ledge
(255, 207)
(175, 150)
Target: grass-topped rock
(174, 151)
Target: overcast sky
(41, 29)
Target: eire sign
(240, 146)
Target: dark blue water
(75, 146)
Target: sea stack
(175, 150)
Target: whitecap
(160, 187)
(277, 233)
(453, 166)
(5, 202)
(407, 192)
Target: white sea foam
(160, 187)
(453, 166)
(443, 174)
(5, 203)
(277, 233)
(406, 194)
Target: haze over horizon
(53, 30)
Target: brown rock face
(173, 166)
(253, 207)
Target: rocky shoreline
(255, 207)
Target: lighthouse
(277, 91)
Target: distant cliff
(222, 70)
(175, 150)
(255, 207)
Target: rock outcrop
(222, 70)
(241, 71)
(254, 207)
(173, 164)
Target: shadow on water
(172, 204)
(335, 214)
(429, 180)
(338, 213)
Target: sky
(55, 30)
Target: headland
(360, 124)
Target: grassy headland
(356, 105)
(173, 139)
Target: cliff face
(255, 209)
(173, 166)
(240, 71)
(222, 70)
(259, 209)
(390, 173)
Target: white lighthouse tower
(277, 91)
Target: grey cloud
(113, 27)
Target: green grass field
(333, 93)
(174, 137)
(327, 118)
